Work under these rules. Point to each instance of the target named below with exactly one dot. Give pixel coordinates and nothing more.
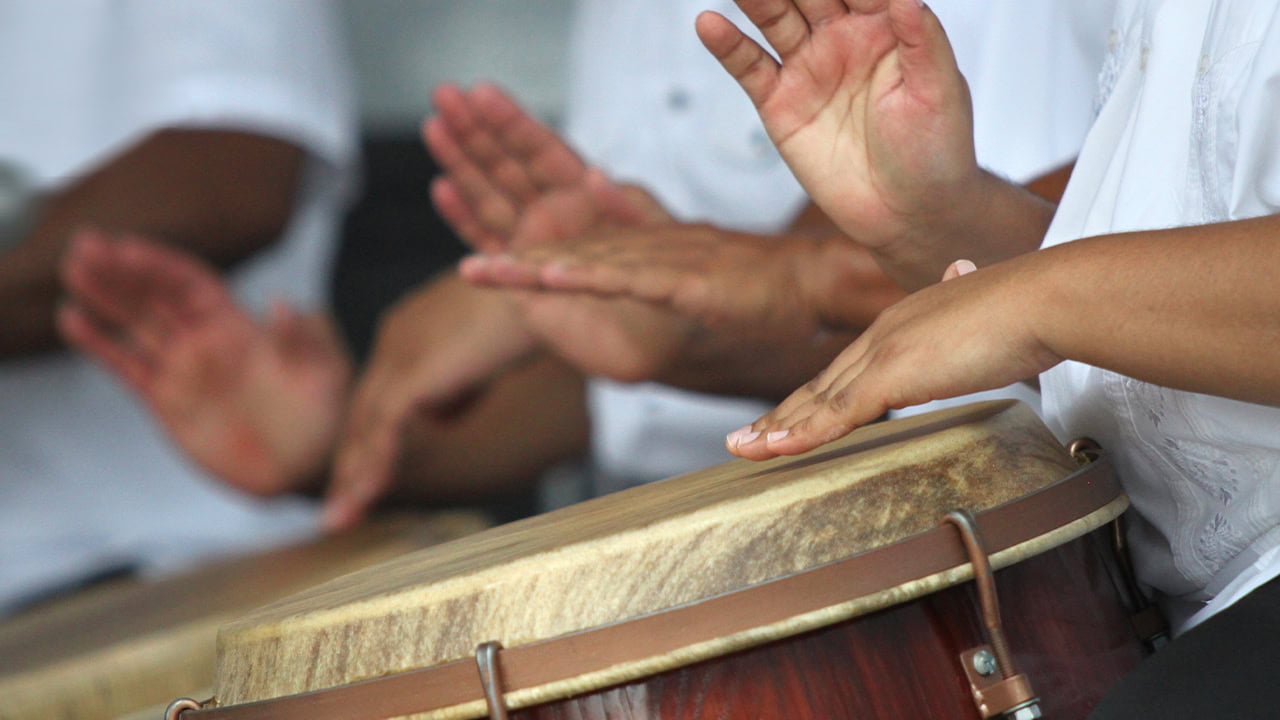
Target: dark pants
(1226, 667)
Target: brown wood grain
(1065, 624)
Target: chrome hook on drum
(998, 688)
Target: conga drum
(133, 645)
(837, 584)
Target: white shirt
(1186, 133)
(651, 106)
(87, 481)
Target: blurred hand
(256, 404)
(511, 182)
(435, 350)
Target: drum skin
(1061, 613)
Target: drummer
(1145, 301)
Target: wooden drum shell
(1065, 626)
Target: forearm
(993, 221)
(738, 366)
(841, 290)
(524, 422)
(1192, 308)
(221, 195)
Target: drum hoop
(598, 657)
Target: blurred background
(401, 50)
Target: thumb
(925, 56)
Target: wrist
(985, 219)
(842, 284)
(1039, 305)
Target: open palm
(864, 102)
(255, 403)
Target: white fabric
(650, 105)
(1186, 134)
(86, 479)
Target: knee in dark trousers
(1226, 668)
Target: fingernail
(964, 267)
(472, 264)
(776, 435)
(741, 436)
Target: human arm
(220, 194)
(808, 280)
(793, 298)
(506, 436)
(869, 110)
(1191, 308)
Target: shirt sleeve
(99, 76)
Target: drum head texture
(647, 549)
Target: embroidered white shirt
(1186, 133)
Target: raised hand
(865, 104)
(511, 182)
(963, 335)
(256, 404)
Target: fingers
(504, 271)
(828, 407)
(477, 205)
(362, 469)
(754, 69)
(472, 132)
(604, 268)
(782, 23)
(817, 421)
(146, 292)
(500, 163)
(542, 157)
(925, 57)
(95, 273)
(817, 12)
(456, 211)
(84, 334)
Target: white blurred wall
(403, 48)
